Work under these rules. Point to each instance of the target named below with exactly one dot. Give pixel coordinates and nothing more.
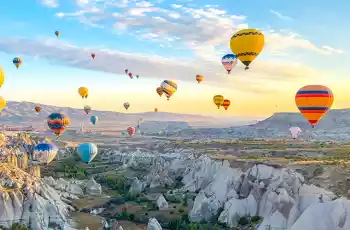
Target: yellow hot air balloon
(2, 76)
(155, 110)
(83, 92)
(218, 100)
(2, 139)
(247, 44)
(2, 103)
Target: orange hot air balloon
(226, 103)
(314, 101)
(155, 110)
(37, 108)
(159, 91)
(199, 78)
(93, 55)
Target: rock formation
(153, 224)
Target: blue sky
(306, 44)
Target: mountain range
(23, 113)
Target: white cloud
(112, 61)
(332, 50)
(143, 4)
(50, 3)
(176, 6)
(280, 16)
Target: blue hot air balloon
(45, 152)
(87, 152)
(94, 119)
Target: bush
(181, 210)
(131, 217)
(256, 219)
(243, 221)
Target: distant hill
(22, 113)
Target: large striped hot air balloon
(45, 152)
(58, 122)
(17, 61)
(314, 101)
(169, 88)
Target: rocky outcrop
(136, 186)
(153, 224)
(162, 203)
(93, 188)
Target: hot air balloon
(45, 152)
(226, 103)
(130, 75)
(247, 44)
(3, 139)
(83, 92)
(93, 55)
(17, 61)
(314, 101)
(159, 91)
(87, 109)
(295, 131)
(199, 78)
(218, 100)
(137, 76)
(37, 108)
(57, 33)
(94, 119)
(2, 76)
(229, 61)
(169, 88)
(2, 103)
(87, 152)
(131, 130)
(155, 110)
(126, 71)
(126, 105)
(58, 123)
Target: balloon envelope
(218, 100)
(87, 109)
(126, 105)
(295, 131)
(17, 61)
(87, 152)
(45, 152)
(226, 103)
(314, 101)
(2, 76)
(159, 91)
(2, 103)
(131, 130)
(2, 139)
(199, 78)
(57, 122)
(229, 61)
(169, 88)
(37, 108)
(94, 119)
(83, 92)
(247, 44)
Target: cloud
(50, 3)
(280, 16)
(111, 61)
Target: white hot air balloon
(295, 131)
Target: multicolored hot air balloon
(199, 78)
(159, 91)
(94, 120)
(58, 123)
(131, 76)
(45, 152)
(126, 105)
(229, 61)
(156, 110)
(87, 109)
(87, 152)
(37, 108)
(93, 55)
(17, 61)
(169, 88)
(247, 44)
(295, 131)
(2, 103)
(226, 103)
(314, 101)
(131, 130)
(2, 77)
(83, 92)
(57, 33)
(218, 100)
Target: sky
(174, 40)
